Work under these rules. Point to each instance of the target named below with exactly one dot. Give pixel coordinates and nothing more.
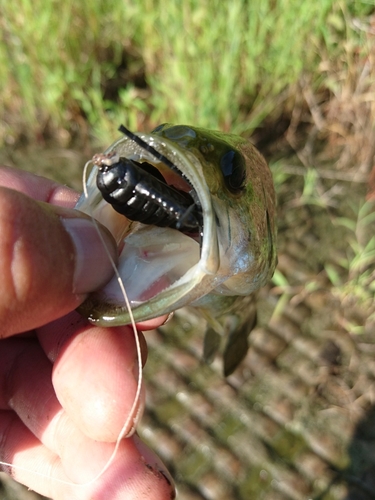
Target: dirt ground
(297, 420)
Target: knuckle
(10, 249)
(32, 248)
(8, 425)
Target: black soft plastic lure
(217, 191)
(138, 190)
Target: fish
(193, 213)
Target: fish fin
(211, 345)
(237, 345)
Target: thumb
(50, 258)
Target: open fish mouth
(193, 215)
(163, 266)
(160, 196)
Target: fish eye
(233, 167)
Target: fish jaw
(164, 269)
(147, 249)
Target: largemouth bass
(196, 228)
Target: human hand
(66, 387)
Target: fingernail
(153, 462)
(92, 244)
(168, 318)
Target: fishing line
(133, 413)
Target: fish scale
(218, 271)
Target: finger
(38, 188)
(133, 474)
(42, 189)
(95, 375)
(151, 324)
(50, 257)
(25, 379)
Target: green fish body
(217, 272)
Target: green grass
(353, 274)
(78, 69)
(226, 65)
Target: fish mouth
(161, 268)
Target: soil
(296, 421)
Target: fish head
(243, 205)
(164, 269)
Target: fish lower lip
(151, 260)
(178, 275)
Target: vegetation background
(297, 77)
(76, 68)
